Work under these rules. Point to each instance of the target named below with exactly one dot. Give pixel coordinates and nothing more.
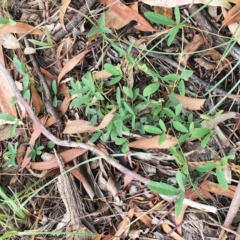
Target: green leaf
(184, 137)
(185, 74)
(54, 87)
(18, 65)
(206, 167)
(128, 108)
(221, 178)
(177, 14)
(120, 141)
(205, 140)
(150, 89)
(119, 49)
(4, 20)
(181, 87)
(13, 128)
(106, 30)
(178, 109)
(169, 112)
(200, 132)
(172, 35)
(179, 204)
(101, 20)
(172, 77)
(26, 94)
(191, 127)
(125, 148)
(118, 97)
(50, 144)
(111, 69)
(55, 102)
(162, 125)
(158, 18)
(115, 80)
(152, 129)
(162, 188)
(39, 43)
(179, 127)
(99, 96)
(6, 117)
(162, 138)
(128, 91)
(94, 31)
(179, 178)
(178, 156)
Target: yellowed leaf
(9, 41)
(147, 143)
(20, 28)
(63, 9)
(142, 216)
(190, 48)
(71, 64)
(82, 126)
(190, 103)
(123, 228)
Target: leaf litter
(133, 100)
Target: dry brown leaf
(67, 156)
(82, 126)
(4, 132)
(71, 64)
(142, 216)
(112, 19)
(233, 15)
(123, 228)
(9, 41)
(63, 9)
(234, 27)
(167, 12)
(190, 103)
(194, 45)
(126, 13)
(217, 189)
(207, 65)
(152, 142)
(166, 228)
(6, 95)
(20, 28)
(36, 100)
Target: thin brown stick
(64, 143)
(48, 97)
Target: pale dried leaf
(63, 9)
(123, 228)
(103, 75)
(9, 41)
(147, 143)
(190, 103)
(71, 64)
(82, 126)
(167, 12)
(142, 216)
(112, 186)
(174, 3)
(6, 95)
(29, 50)
(191, 47)
(167, 229)
(207, 65)
(19, 28)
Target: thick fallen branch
(64, 143)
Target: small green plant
(54, 89)
(8, 119)
(10, 154)
(35, 151)
(25, 80)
